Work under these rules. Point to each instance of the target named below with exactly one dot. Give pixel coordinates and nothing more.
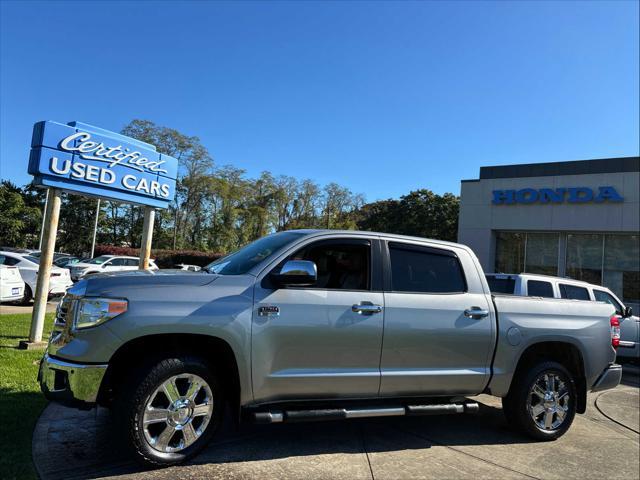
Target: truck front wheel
(542, 401)
(170, 409)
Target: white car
(28, 266)
(188, 268)
(532, 285)
(106, 263)
(11, 283)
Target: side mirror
(627, 312)
(301, 273)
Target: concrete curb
(38, 447)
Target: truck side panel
(525, 321)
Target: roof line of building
(575, 167)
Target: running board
(279, 416)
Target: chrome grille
(62, 311)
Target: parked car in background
(188, 268)
(11, 283)
(28, 266)
(56, 255)
(532, 285)
(107, 263)
(66, 261)
(16, 250)
(321, 325)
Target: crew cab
(534, 285)
(315, 324)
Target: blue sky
(381, 97)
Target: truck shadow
(77, 441)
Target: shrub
(163, 258)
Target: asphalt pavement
(603, 443)
(8, 308)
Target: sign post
(95, 229)
(44, 217)
(90, 161)
(147, 234)
(51, 216)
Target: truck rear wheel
(542, 401)
(170, 409)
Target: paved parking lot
(8, 308)
(604, 443)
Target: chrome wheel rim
(177, 413)
(548, 401)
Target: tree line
(220, 208)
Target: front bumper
(72, 384)
(608, 379)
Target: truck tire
(542, 401)
(169, 409)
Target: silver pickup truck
(312, 325)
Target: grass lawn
(20, 399)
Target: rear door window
(501, 285)
(573, 292)
(539, 288)
(425, 270)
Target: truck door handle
(366, 309)
(476, 313)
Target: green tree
(420, 213)
(188, 208)
(18, 219)
(75, 228)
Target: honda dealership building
(579, 219)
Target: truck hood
(105, 283)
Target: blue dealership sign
(89, 160)
(556, 195)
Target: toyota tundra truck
(312, 325)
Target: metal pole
(44, 212)
(52, 214)
(147, 236)
(95, 229)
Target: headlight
(94, 311)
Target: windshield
(240, 262)
(32, 259)
(98, 260)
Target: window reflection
(509, 252)
(584, 257)
(542, 253)
(622, 266)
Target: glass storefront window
(541, 254)
(584, 257)
(611, 260)
(509, 252)
(622, 266)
